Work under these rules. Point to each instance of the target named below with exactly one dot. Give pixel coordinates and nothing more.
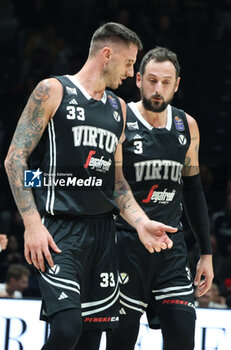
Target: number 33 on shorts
(108, 279)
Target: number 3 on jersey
(75, 112)
(138, 147)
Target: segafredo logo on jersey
(158, 170)
(84, 135)
(162, 197)
(99, 164)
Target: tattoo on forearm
(25, 139)
(123, 197)
(138, 220)
(187, 161)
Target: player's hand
(37, 243)
(154, 237)
(3, 241)
(205, 269)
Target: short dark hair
(16, 271)
(160, 54)
(114, 31)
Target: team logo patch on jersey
(54, 270)
(182, 139)
(123, 278)
(179, 124)
(71, 90)
(116, 115)
(113, 101)
(133, 126)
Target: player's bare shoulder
(193, 126)
(47, 95)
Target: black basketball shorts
(85, 274)
(158, 281)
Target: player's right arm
(40, 108)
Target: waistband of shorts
(108, 215)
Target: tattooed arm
(40, 108)
(151, 233)
(196, 210)
(191, 165)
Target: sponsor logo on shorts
(54, 270)
(62, 296)
(122, 311)
(178, 302)
(123, 278)
(101, 319)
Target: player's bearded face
(156, 103)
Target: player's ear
(177, 84)
(107, 53)
(138, 79)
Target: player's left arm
(151, 233)
(196, 210)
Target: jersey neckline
(144, 121)
(84, 91)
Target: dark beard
(155, 106)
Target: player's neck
(157, 120)
(90, 77)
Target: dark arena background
(41, 38)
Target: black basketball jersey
(76, 153)
(153, 159)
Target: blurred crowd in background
(41, 38)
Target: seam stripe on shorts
(171, 288)
(131, 307)
(59, 284)
(98, 302)
(133, 300)
(86, 313)
(63, 280)
(173, 295)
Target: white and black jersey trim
(62, 283)
(52, 168)
(172, 291)
(133, 304)
(100, 305)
